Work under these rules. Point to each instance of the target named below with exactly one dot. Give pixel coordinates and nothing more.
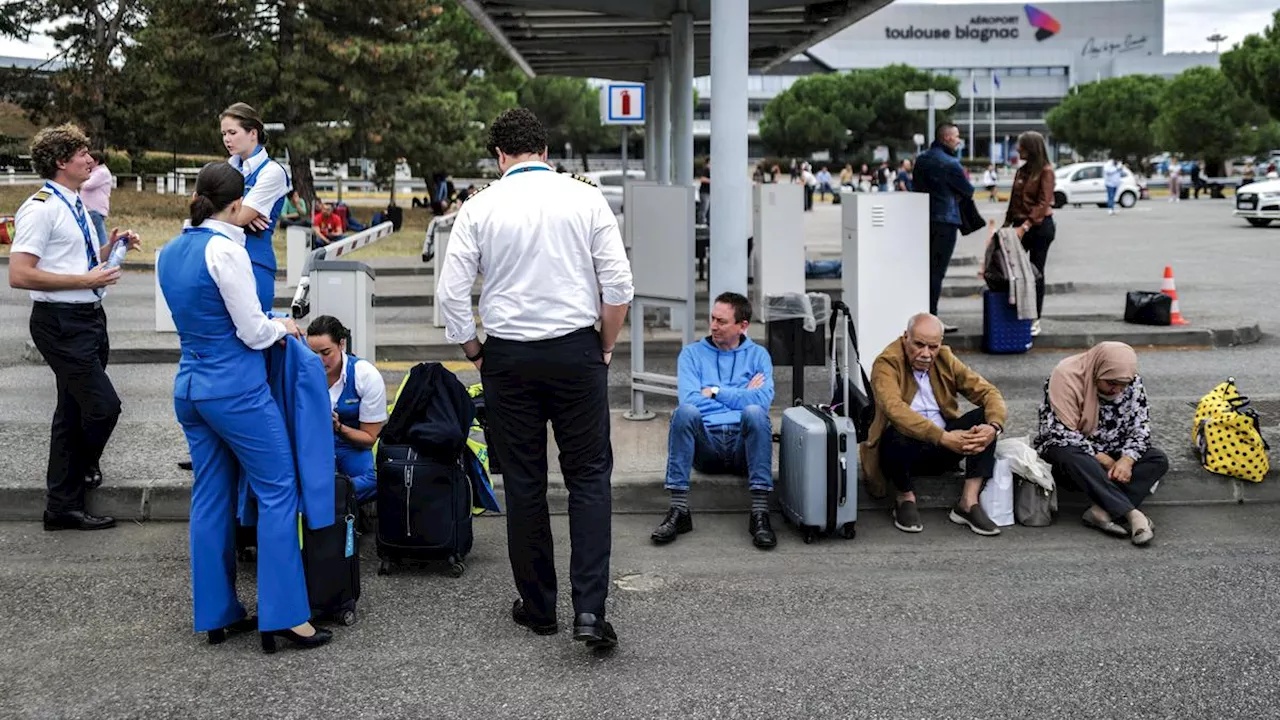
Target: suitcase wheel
(384, 567)
(456, 567)
(848, 531)
(348, 617)
(810, 535)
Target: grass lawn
(158, 218)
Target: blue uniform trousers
(226, 435)
(358, 465)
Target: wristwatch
(715, 390)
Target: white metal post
(729, 60)
(682, 98)
(662, 119)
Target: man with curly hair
(554, 266)
(58, 256)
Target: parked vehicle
(1083, 183)
(1259, 202)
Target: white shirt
(370, 386)
(548, 247)
(47, 228)
(990, 178)
(1112, 174)
(271, 185)
(925, 403)
(228, 264)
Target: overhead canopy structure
(619, 39)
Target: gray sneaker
(976, 518)
(906, 517)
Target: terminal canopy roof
(619, 39)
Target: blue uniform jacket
(939, 173)
(299, 386)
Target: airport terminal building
(1035, 52)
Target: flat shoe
(1144, 535)
(1109, 527)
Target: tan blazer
(895, 387)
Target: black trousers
(565, 381)
(1037, 242)
(1076, 468)
(73, 340)
(942, 243)
(902, 457)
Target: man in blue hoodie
(725, 383)
(939, 173)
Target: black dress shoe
(761, 530)
(677, 522)
(243, 625)
(76, 520)
(594, 630)
(320, 637)
(93, 478)
(185, 465)
(521, 616)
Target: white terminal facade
(1038, 51)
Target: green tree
(1253, 67)
(1113, 115)
(1260, 139)
(1202, 115)
(570, 110)
(10, 21)
(881, 91)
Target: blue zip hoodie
(702, 364)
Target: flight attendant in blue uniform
(359, 396)
(266, 184)
(231, 421)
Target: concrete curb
(667, 348)
(643, 493)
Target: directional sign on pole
(622, 104)
(919, 99)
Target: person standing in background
(58, 256)
(554, 266)
(939, 173)
(96, 192)
(1112, 177)
(265, 185)
(1031, 208)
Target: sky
(1187, 24)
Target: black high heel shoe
(243, 625)
(320, 637)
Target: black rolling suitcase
(331, 559)
(424, 509)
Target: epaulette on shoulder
(42, 195)
(583, 178)
(482, 188)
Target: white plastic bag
(997, 496)
(1024, 461)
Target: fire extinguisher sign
(622, 104)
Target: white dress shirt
(46, 227)
(370, 386)
(271, 185)
(925, 402)
(228, 264)
(548, 247)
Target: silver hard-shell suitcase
(818, 463)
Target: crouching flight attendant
(231, 422)
(265, 186)
(359, 396)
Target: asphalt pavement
(1059, 622)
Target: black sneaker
(976, 518)
(906, 517)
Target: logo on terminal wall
(1045, 24)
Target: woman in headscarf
(1095, 431)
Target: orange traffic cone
(1167, 287)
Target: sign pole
(932, 128)
(973, 88)
(624, 153)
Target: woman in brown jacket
(1031, 208)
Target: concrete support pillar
(682, 98)
(662, 119)
(650, 167)
(729, 198)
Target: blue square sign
(622, 104)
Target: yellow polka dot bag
(1227, 435)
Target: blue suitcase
(1002, 332)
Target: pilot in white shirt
(554, 265)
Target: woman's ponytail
(217, 186)
(201, 209)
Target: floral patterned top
(1124, 426)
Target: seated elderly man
(725, 383)
(918, 428)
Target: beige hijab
(1073, 391)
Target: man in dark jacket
(939, 173)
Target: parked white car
(610, 182)
(1082, 183)
(1259, 202)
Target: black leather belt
(70, 306)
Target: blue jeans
(744, 449)
(100, 222)
(1111, 197)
